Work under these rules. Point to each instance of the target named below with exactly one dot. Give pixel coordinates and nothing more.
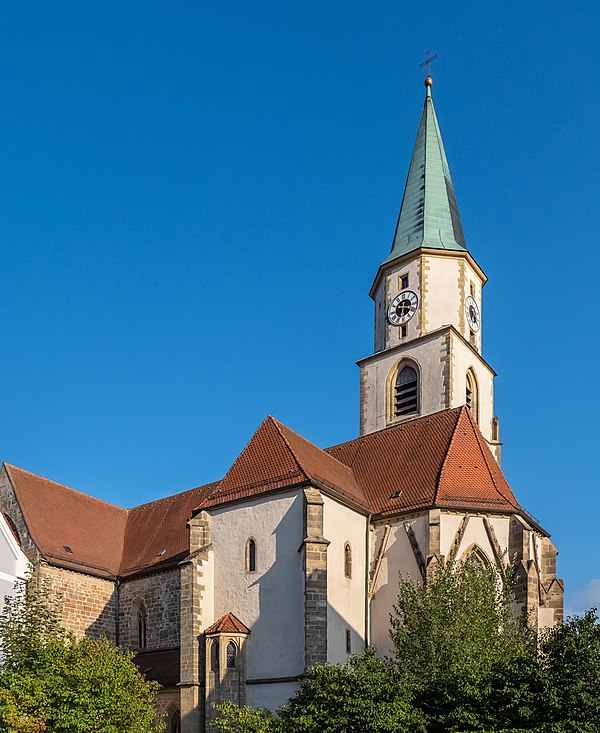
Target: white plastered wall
(386, 335)
(345, 596)
(463, 360)
(428, 355)
(446, 286)
(13, 561)
(397, 560)
(475, 534)
(269, 601)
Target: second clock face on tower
(472, 313)
(403, 308)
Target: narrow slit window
(251, 556)
(347, 560)
(406, 391)
(141, 628)
(404, 329)
(471, 397)
(404, 282)
(231, 654)
(348, 641)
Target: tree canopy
(51, 681)
(462, 662)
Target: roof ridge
(172, 496)
(446, 455)
(278, 427)
(11, 468)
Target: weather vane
(427, 62)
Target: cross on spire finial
(427, 63)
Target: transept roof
(440, 460)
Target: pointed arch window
(214, 656)
(231, 655)
(176, 722)
(251, 555)
(347, 560)
(141, 627)
(472, 395)
(406, 392)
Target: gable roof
(102, 538)
(228, 624)
(58, 518)
(440, 460)
(277, 457)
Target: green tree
(363, 695)
(50, 681)
(457, 644)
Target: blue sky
(194, 199)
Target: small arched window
(231, 654)
(347, 560)
(251, 556)
(176, 722)
(214, 656)
(142, 640)
(471, 395)
(406, 392)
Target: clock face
(472, 313)
(403, 307)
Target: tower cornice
(460, 254)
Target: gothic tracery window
(406, 392)
(214, 656)
(231, 655)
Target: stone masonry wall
(315, 581)
(159, 594)
(10, 506)
(88, 603)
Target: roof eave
(426, 251)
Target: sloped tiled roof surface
(228, 624)
(59, 517)
(103, 538)
(275, 458)
(440, 460)
(156, 534)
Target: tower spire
(429, 213)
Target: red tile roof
(228, 624)
(440, 460)
(102, 538)
(277, 458)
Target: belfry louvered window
(406, 392)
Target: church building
(232, 590)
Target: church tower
(428, 310)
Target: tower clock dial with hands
(403, 308)
(472, 313)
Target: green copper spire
(429, 214)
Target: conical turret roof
(429, 213)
